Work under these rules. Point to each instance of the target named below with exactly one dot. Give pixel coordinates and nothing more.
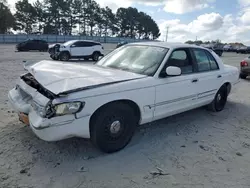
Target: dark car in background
(217, 50)
(243, 50)
(245, 68)
(121, 44)
(33, 44)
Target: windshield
(135, 58)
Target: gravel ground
(195, 149)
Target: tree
(133, 23)
(40, 15)
(65, 16)
(122, 23)
(25, 16)
(109, 21)
(91, 14)
(7, 20)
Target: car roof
(167, 45)
(83, 41)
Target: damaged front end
(50, 110)
(47, 110)
(30, 80)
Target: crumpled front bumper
(59, 128)
(17, 102)
(54, 129)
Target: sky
(227, 20)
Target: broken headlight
(68, 108)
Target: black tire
(95, 56)
(243, 76)
(123, 120)
(220, 100)
(64, 56)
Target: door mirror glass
(173, 71)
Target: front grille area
(37, 107)
(24, 95)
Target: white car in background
(77, 49)
(135, 84)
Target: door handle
(219, 76)
(195, 80)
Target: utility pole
(167, 34)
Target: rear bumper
(245, 70)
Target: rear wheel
(243, 76)
(112, 127)
(220, 100)
(64, 56)
(95, 56)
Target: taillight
(243, 64)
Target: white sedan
(135, 84)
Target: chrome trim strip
(195, 97)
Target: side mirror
(173, 71)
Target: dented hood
(59, 77)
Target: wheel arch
(96, 51)
(129, 102)
(65, 51)
(228, 86)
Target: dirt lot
(195, 149)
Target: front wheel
(64, 56)
(95, 56)
(220, 100)
(113, 127)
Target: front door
(179, 93)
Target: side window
(77, 44)
(202, 60)
(88, 44)
(213, 63)
(180, 58)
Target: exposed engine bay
(32, 82)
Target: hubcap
(219, 97)
(115, 127)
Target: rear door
(29, 45)
(209, 77)
(89, 48)
(35, 45)
(43, 45)
(77, 49)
